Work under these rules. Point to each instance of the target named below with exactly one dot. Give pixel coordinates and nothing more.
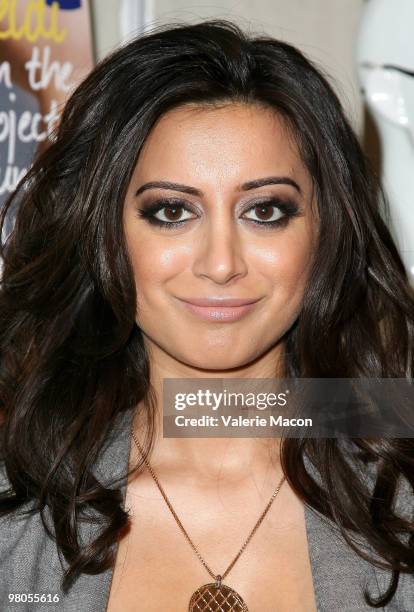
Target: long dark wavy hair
(72, 357)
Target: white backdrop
(326, 30)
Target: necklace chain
(167, 501)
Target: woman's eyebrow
(254, 184)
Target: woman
(197, 166)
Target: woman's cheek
(284, 263)
(158, 266)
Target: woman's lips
(219, 309)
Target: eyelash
(289, 210)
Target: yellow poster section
(39, 21)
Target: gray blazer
(29, 561)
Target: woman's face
(237, 224)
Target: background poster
(45, 51)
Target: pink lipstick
(220, 309)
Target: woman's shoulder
(31, 570)
(29, 559)
(340, 575)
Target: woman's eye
(173, 214)
(170, 214)
(166, 214)
(264, 213)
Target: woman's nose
(219, 253)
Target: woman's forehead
(228, 143)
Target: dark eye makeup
(173, 207)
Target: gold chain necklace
(214, 596)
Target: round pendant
(213, 598)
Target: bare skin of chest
(157, 570)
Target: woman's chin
(218, 363)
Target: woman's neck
(208, 459)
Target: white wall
(105, 24)
(323, 29)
